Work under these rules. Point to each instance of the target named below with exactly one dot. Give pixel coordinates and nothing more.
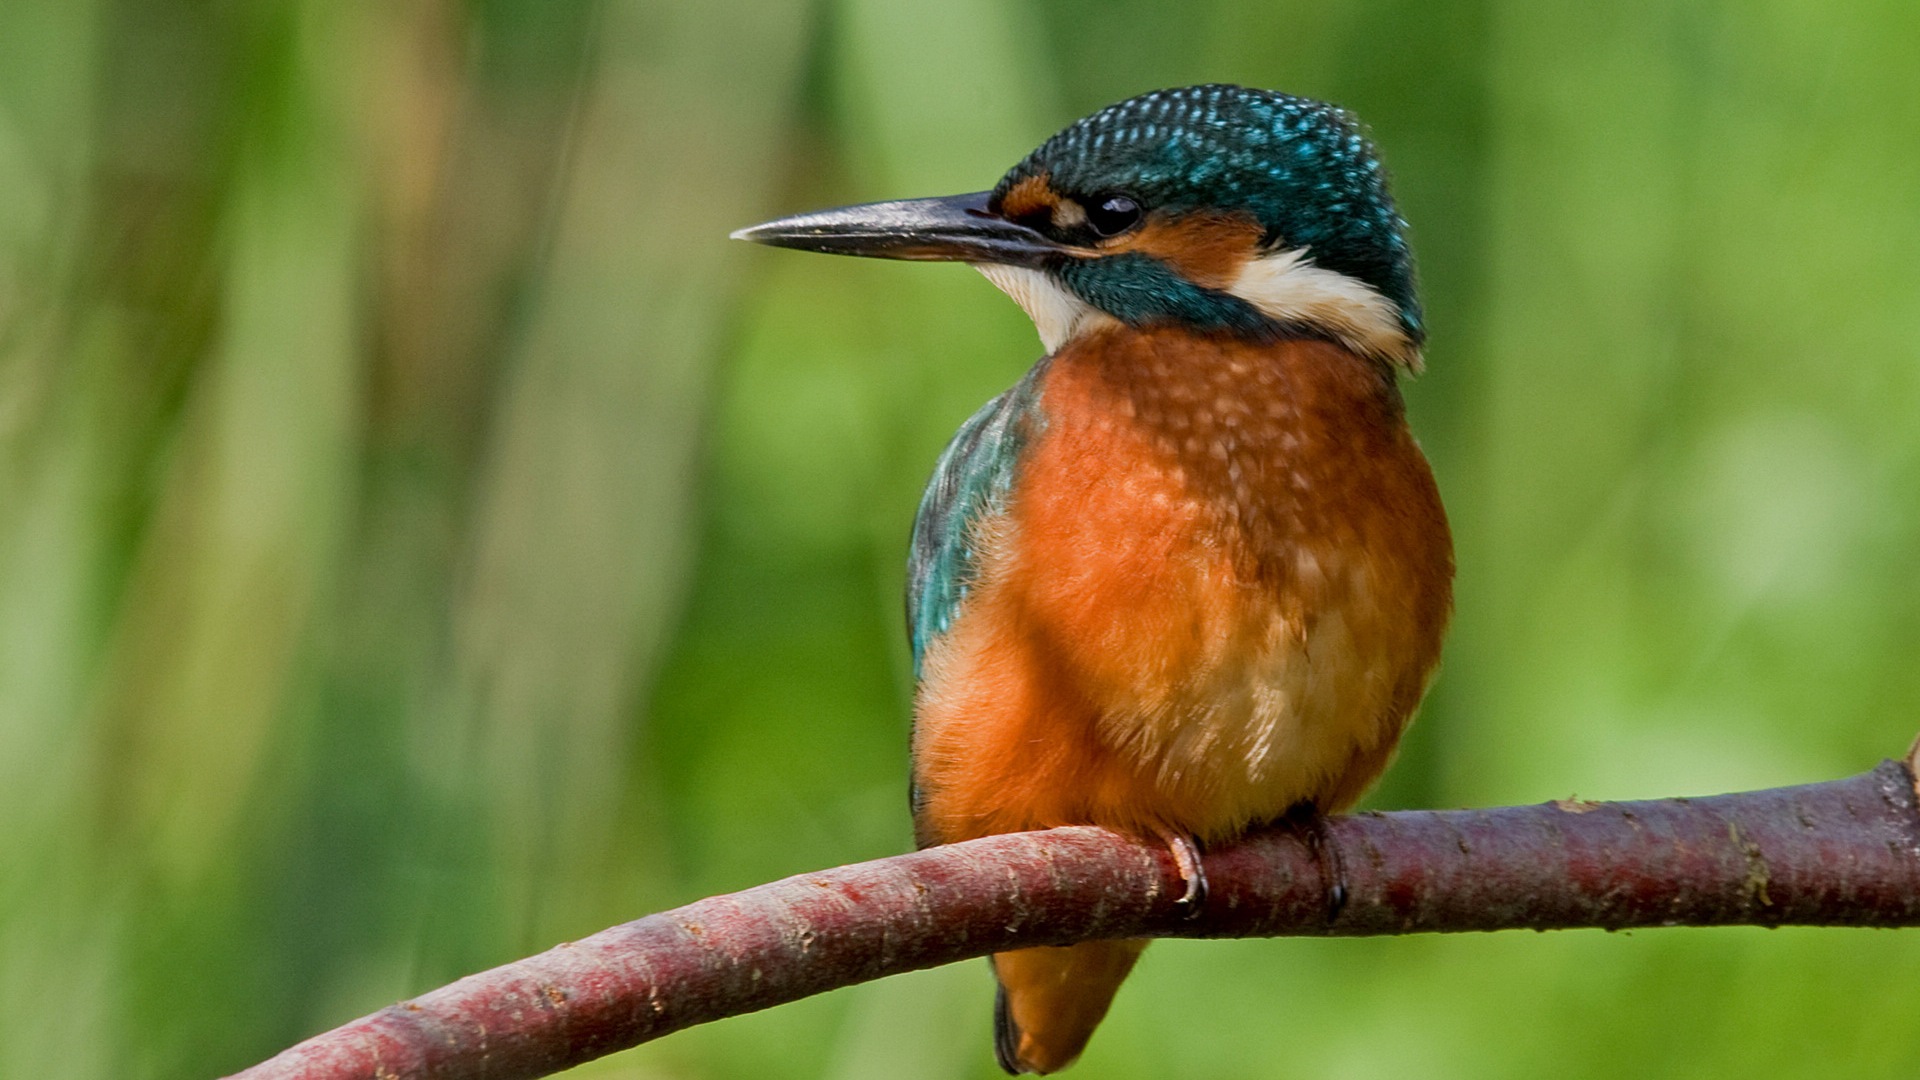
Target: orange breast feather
(1218, 591)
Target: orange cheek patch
(1030, 196)
(1206, 249)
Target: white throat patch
(1059, 315)
(1286, 286)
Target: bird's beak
(953, 228)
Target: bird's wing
(970, 484)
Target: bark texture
(1841, 853)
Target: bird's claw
(1326, 855)
(1186, 858)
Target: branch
(1842, 853)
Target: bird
(1191, 574)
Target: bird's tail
(1051, 999)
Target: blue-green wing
(971, 483)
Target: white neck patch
(1059, 315)
(1287, 287)
(1284, 286)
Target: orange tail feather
(1052, 998)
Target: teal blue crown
(1303, 169)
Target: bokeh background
(424, 537)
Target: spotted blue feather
(970, 484)
(1302, 168)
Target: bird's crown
(1301, 169)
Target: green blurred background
(424, 537)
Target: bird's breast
(1224, 572)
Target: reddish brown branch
(1844, 853)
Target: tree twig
(1842, 853)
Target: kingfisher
(1191, 573)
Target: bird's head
(1217, 208)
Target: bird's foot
(1186, 858)
(1326, 856)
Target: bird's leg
(1186, 858)
(1312, 825)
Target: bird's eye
(1111, 215)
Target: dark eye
(1111, 215)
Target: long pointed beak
(953, 228)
